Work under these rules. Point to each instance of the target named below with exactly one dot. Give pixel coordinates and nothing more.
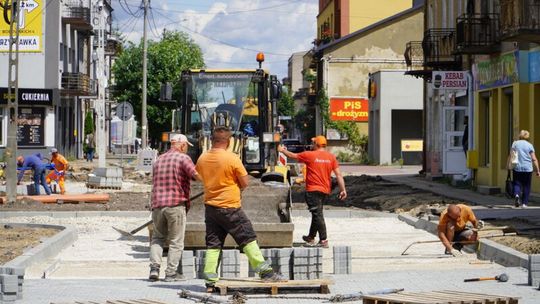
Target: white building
(395, 114)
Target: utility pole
(13, 102)
(100, 103)
(144, 134)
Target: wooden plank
(443, 297)
(274, 290)
(259, 283)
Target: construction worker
(60, 167)
(453, 228)
(171, 181)
(35, 163)
(224, 177)
(319, 166)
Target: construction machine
(245, 101)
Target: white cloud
(276, 27)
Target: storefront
(507, 97)
(35, 131)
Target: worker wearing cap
(453, 228)
(319, 167)
(224, 177)
(60, 167)
(171, 182)
(35, 163)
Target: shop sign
(30, 127)
(449, 80)
(30, 23)
(412, 145)
(42, 97)
(349, 109)
(499, 71)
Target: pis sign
(350, 109)
(449, 80)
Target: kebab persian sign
(449, 80)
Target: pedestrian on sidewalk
(319, 167)
(224, 178)
(90, 147)
(171, 182)
(453, 228)
(522, 171)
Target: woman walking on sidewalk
(523, 168)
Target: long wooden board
(55, 198)
(438, 297)
(257, 286)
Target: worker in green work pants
(224, 177)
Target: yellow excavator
(246, 102)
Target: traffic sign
(124, 111)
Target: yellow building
(338, 18)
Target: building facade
(55, 74)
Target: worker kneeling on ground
(60, 168)
(453, 230)
(33, 162)
(224, 177)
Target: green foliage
(89, 123)
(304, 120)
(286, 105)
(167, 58)
(310, 77)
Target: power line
(153, 22)
(214, 39)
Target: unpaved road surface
(13, 240)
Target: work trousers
(90, 154)
(39, 177)
(170, 225)
(315, 201)
(59, 178)
(522, 185)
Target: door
(454, 160)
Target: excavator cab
(245, 101)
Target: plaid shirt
(171, 179)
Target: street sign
(449, 80)
(124, 111)
(349, 109)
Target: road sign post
(124, 111)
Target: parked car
(294, 145)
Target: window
(2, 126)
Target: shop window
(2, 119)
(484, 130)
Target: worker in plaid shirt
(171, 180)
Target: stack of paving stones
(200, 256)
(230, 263)
(11, 282)
(186, 267)
(342, 260)
(106, 178)
(307, 263)
(534, 270)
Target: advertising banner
(449, 80)
(498, 71)
(30, 24)
(350, 109)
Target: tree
(89, 122)
(167, 58)
(286, 104)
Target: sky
(230, 32)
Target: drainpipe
(470, 96)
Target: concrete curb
(487, 249)
(332, 213)
(48, 249)
(74, 214)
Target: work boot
(154, 273)
(323, 244)
(174, 278)
(309, 240)
(271, 276)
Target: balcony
(438, 47)
(77, 84)
(414, 58)
(520, 20)
(77, 16)
(112, 46)
(477, 34)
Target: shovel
(131, 234)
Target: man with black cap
(319, 164)
(60, 167)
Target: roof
(373, 26)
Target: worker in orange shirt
(61, 165)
